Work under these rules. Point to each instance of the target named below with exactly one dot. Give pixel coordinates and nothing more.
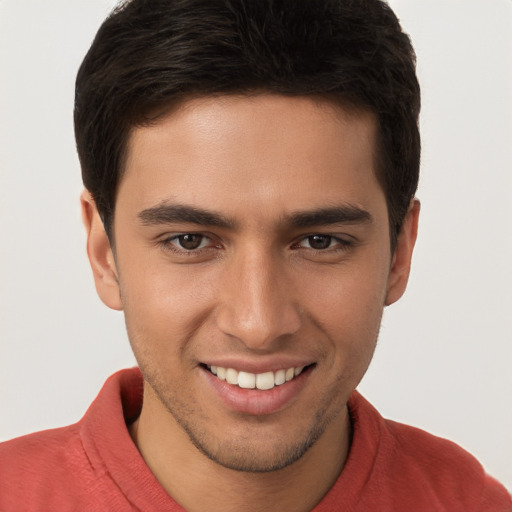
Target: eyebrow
(343, 214)
(178, 213)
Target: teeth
(231, 376)
(265, 380)
(262, 381)
(246, 380)
(280, 377)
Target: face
(252, 262)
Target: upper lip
(259, 366)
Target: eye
(320, 242)
(187, 242)
(190, 241)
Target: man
(250, 170)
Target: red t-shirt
(94, 466)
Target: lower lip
(255, 401)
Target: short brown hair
(150, 54)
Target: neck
(198, 483)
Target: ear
(401, 262)
(101, 256)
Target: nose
(257, 303)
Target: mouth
(262, 381)
(266, 391)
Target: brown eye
(190, 241)
(319, 241)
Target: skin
(257, 291)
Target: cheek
(163, 303)
(349, 296)
(348, 307)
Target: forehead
(245, 153)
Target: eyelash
(341, 244)
(169, 244)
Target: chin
(255, 448)
(252, 457)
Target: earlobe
(401, 263)
(101, 256)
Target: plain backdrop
(443, 362)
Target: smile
(261, 381)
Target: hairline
(351, 105)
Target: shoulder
(32, 453)
(72, 468)
(33, 466)
(418, 466)
(447, 470)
